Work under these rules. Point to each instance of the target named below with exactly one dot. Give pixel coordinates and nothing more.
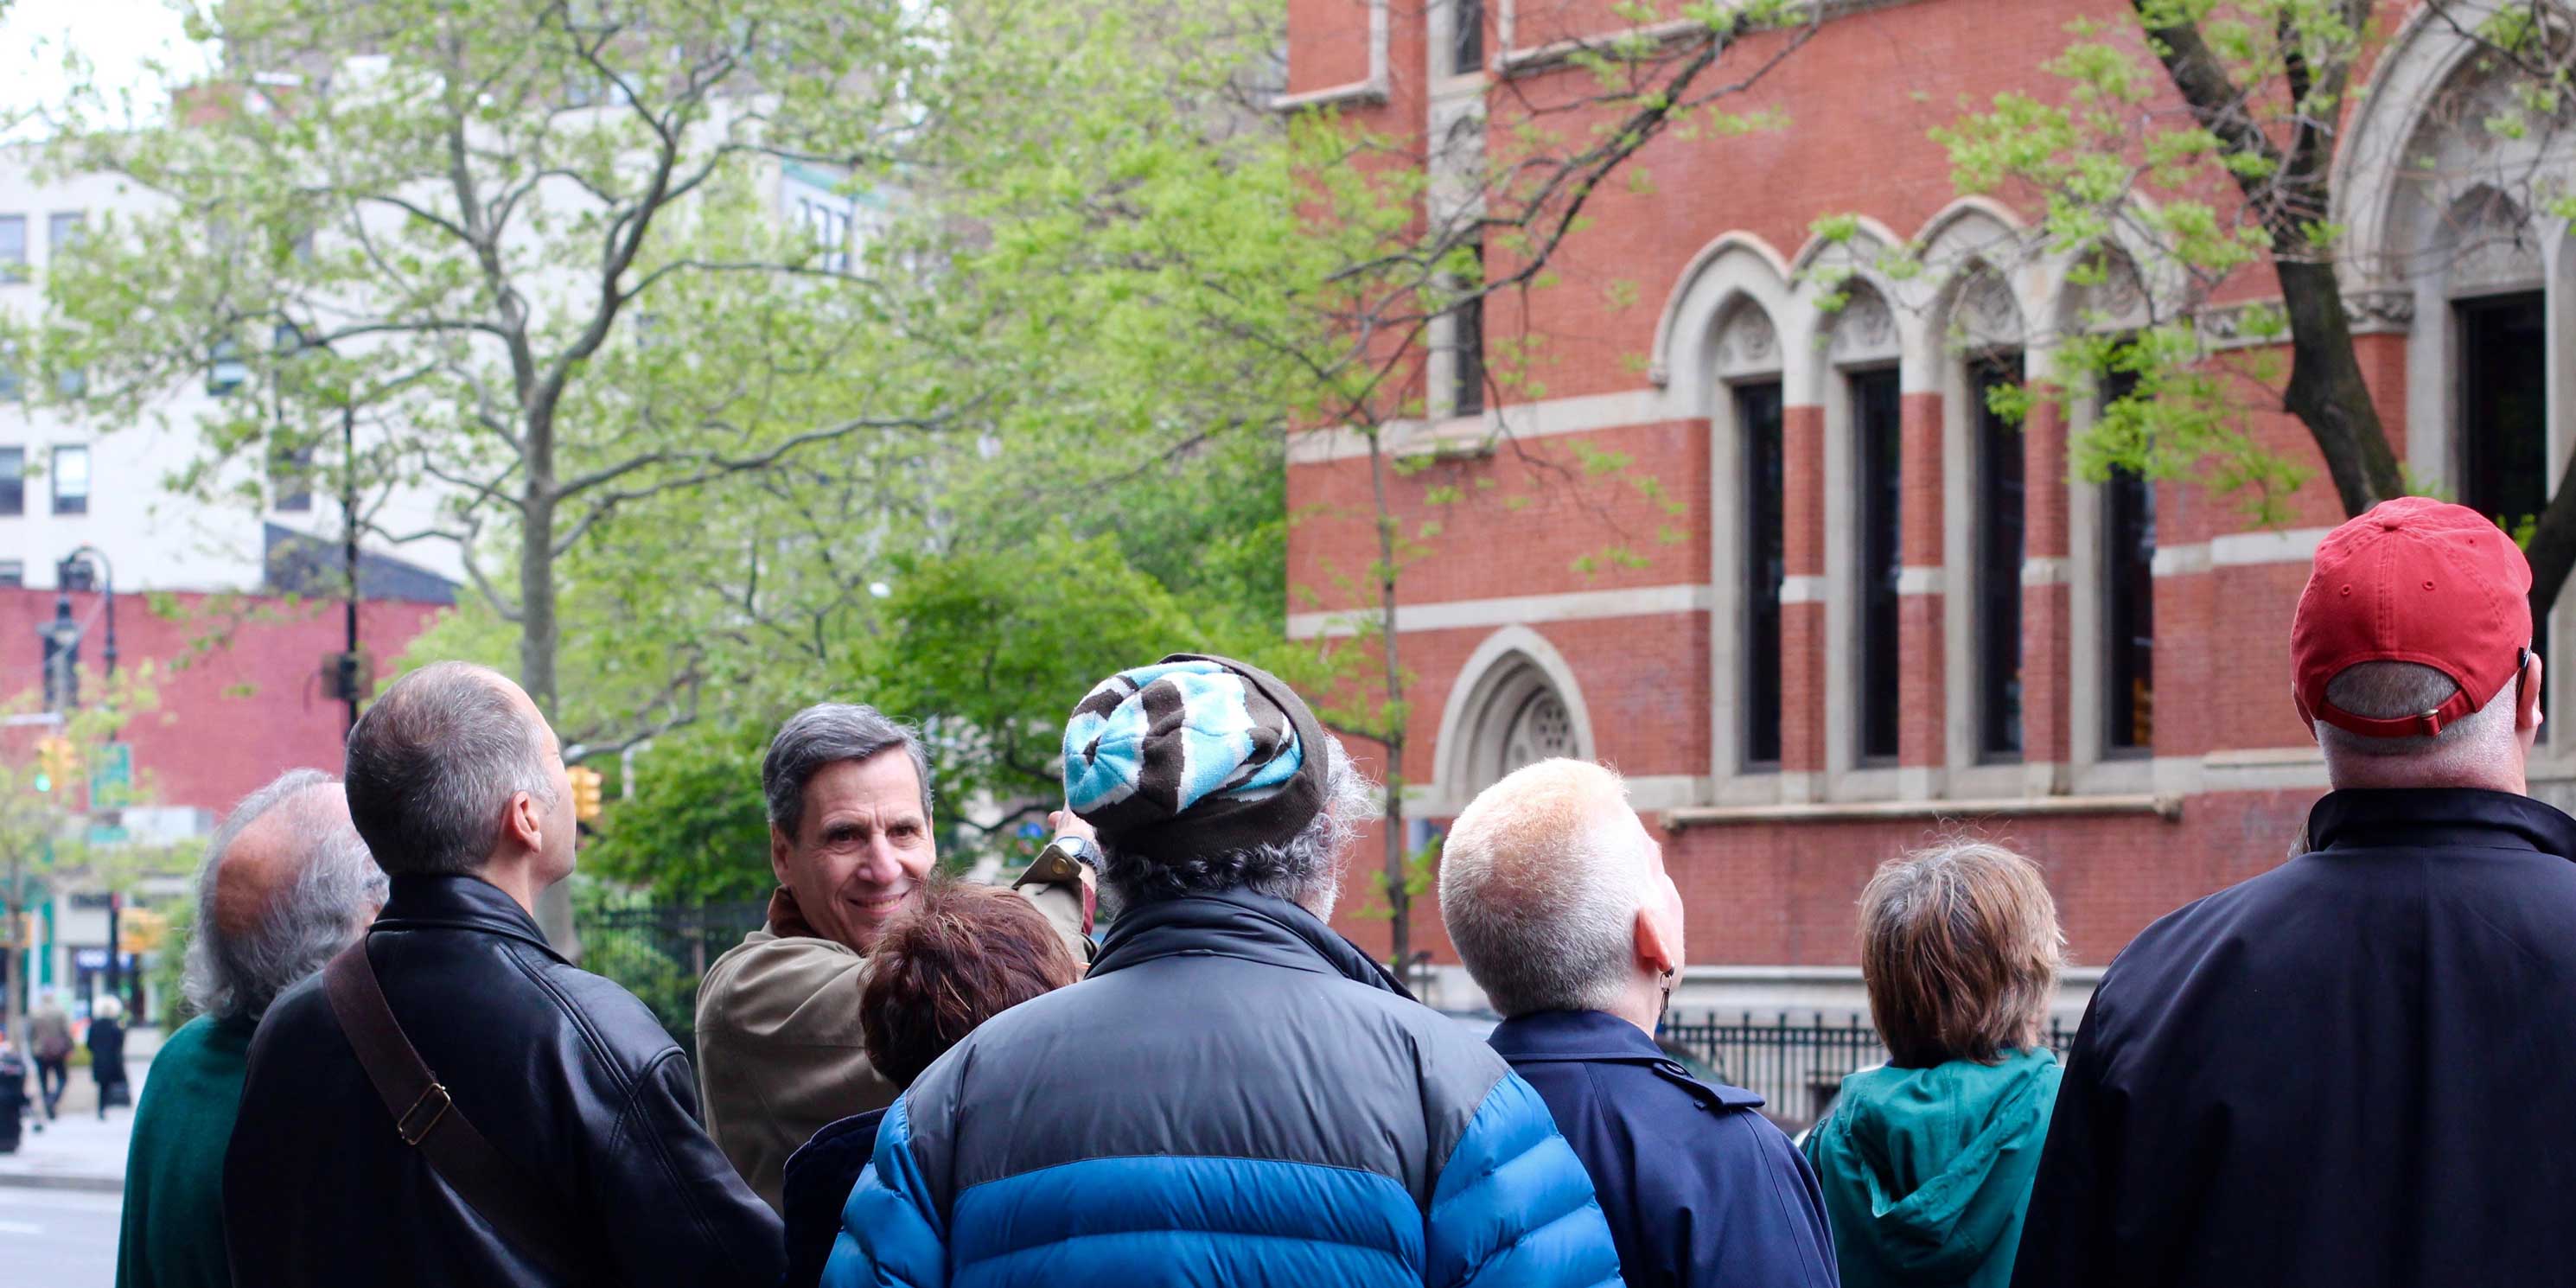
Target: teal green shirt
(1926, 1172)
(173, 1235)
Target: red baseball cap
(2414, 580)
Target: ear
(521, 823)
(778, 854)
(1653, 951)
(2307, 718)
(2526, 708)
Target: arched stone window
(1746, 356)
(2452, 247)
(1987, 333)
(2112, 540)
(1514, 704)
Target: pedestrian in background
(285, 884)
(106, 1043)
(1557, 899)
(1927, 1160)
(13, 1095)
(959, 955)
(557, 1141)
(2343, 1071)
(49, 1041)
(1235, 1095)
(780, 1053)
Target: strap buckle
(412, 1135)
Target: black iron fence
(659, 952)
(1796, 1066)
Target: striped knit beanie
(1194, 755)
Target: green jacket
(173, 1228)
(1927, 1172)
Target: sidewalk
(76, 1151)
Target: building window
(2128, 600)
(225, 370)
(1467, 344)
(1515, 718)
(2504, 408)
(13, 384)
(13, 248)
(62, 231)
(1542, 729)
(1999, 559)
(1467, 36)
(13, 481)
(829, 225)
(1757, 420)
(290, 475)
(71, 480)
(13, 574)
(1878, 428)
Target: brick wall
(1534, 519)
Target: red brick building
(1887, 614)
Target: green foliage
(2113, 162)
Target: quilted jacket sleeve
(1513, 1205)
(891, 1234)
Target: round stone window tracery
(1541, 729)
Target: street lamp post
(62, 617)
(107, 597)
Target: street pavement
(57, 1238)
(61, 1193)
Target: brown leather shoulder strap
(428, 1120)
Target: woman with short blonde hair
(1926, 1162)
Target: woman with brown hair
(1926, 1161)
(958, 956)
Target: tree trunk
(1399, 893)
(2327, 392)
(2552, 551)
(537, 639)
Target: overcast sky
(119, 37)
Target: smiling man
(779, 1046)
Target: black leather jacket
(564, 1072)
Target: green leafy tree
(530, 249)
(42, 848)
(2210, 137)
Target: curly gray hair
(307, 921)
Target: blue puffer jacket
(1235, 1096)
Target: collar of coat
(456, 902)
(1598, 1037)
(1240, 924)
(2439, 817)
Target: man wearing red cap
(2345, 1071)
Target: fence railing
(1797, 1067)
(659, 952)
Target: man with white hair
(2341, 1071)
(1557, 900)
(285, 884)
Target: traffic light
(585, 792)
(141, 930)
(56, 763)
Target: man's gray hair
(435, 761)
(301, 925)
(1540, 889)
(826, 734)
(1304, 869)
(2392, 690)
